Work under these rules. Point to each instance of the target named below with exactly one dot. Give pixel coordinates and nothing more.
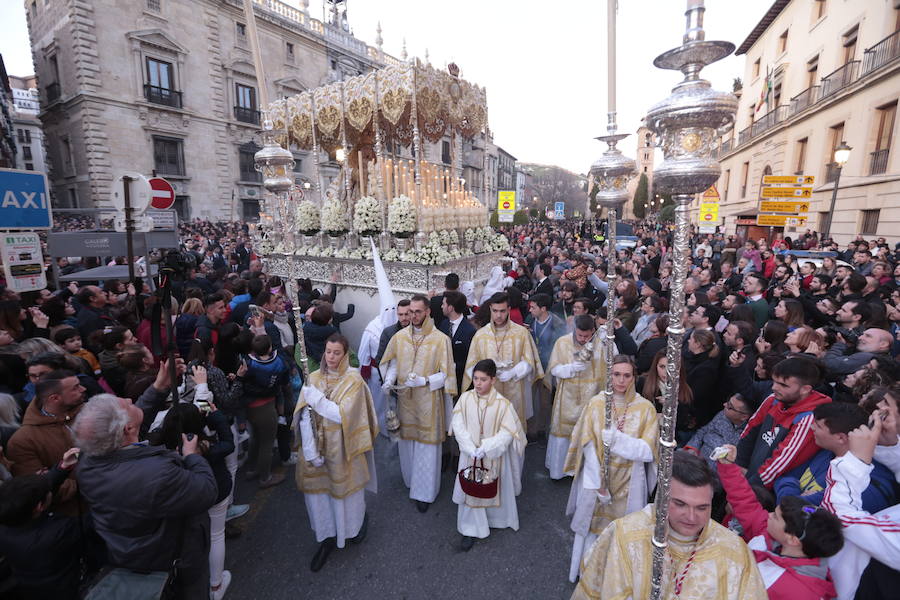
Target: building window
(289, 49)
(245, 104)
(819, 9)
(34, 8)
(445, 152)
(29, 166)
(837, 136)
(727, 183)
(745, 173)
(801, 156)
(247, 163)
(250, 210)
(182, 208)
(298, 165)
(824, 221)
(160, 86)
(168, 155)
(240, 29)
(869, 225)
(756, 68)
(68, 164)
(73, 198)
(26, 153)
(885, 118)
(783, 42)
(812, 71)
(154, 5)
(849, 43)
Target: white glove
(521, 370)
(610, 437)
(436, 381)
(313, 396)
(578, 366)
(317, 461)
(566, 371)
(390, 378)
(505, 375)
(414, 382)
(495, 446)
(479, 452)
(631, 448)
(308, 442)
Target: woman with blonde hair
(799, 340)
(186, 324)
(701, 365)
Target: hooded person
(495, 284)
(467, 288)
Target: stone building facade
(818, 73)
(7, 131)
(169, 86)
(25, 123)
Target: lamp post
(841, 156)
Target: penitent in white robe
(504, 441)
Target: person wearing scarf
(338, 465)
(632, 470)
(488, 432)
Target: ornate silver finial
(403, 55)
(304, 6)
(427, 57)
(379, 41)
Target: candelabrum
(276, 165)
(686, 125)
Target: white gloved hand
(577, 366)
(521, 370)
(313, 396)
(609, 437)
(317, 461)
(386, 388)
(479, 452)
(417, 381)
(505, 375)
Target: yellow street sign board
(786, 192)
(780, 220)
(783, 207)
(710, 195)
(789, 179)
(506, 200)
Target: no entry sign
(163, 195)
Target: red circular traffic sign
(163, 195)
(506, 205)
(707, 217)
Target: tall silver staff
(611, 173)
(686, 125)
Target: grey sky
(543, 63)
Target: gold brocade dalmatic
(620, 563)
(485, 417)
(574, 393)
(422, 413)
(506, 346)
(346, 469)
(640, 421)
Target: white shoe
(293, 459)
(243, 436)
(220, 593)
(282, 421)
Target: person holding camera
(872, 343)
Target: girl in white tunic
(487, 429)
(337, 428)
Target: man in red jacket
(779, 436)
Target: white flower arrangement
(402, 217)
(445, 237)
(469, 235)
(497, 243)
(307, 218)
(391, 255)
(334, 218)
(367, 216)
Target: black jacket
(460, 342)
(206, 330)
(702, 376)
(91, 319)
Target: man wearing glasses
(725, 427)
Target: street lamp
(841, 156)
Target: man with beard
(420, 359)
(389, 332)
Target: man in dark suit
(544, 286)
(388, 332)
(451, 284)
(458, 328)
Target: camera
(832, 331)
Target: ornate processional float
(420, 215)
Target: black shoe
(445, 462)
(467, 543)
(321, 555)
(362, 531)
(422, 506)
(232, 531)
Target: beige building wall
(835, 70)
(91, 59)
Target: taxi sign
(770, 206)
(789, 179)
(780, 220)
(786, 192)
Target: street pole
(837, 180)
(129, 227)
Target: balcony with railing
(53, 92)
(769, 120)
(246, 115)
(804, 99)
(882, 53)
(840, 78)
(161, 95)
(878, 162)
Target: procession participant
(631, 436)
(704, 559)
(579, 367)
(489, 434)
(420, 359)
(512, 348)
(337, 447)
(546, 328)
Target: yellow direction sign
(784, 192)
(783, 207)
(780, 220)
(789, 179)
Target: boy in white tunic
(488, 430)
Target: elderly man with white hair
(149, 504)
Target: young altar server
(489, 432)
(338, 465)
